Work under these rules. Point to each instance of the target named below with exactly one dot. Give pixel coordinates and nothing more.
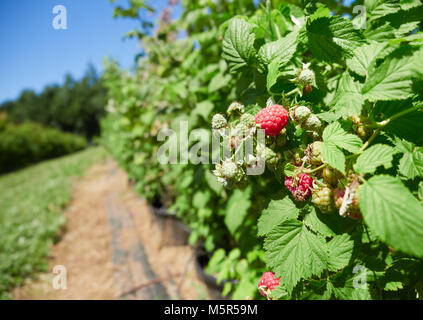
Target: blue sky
(34, 54)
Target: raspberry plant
(341, 196)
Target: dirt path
(114, 247)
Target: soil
(86, 248)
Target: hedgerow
(338, 213)
(28, 143)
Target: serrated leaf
(411, 164)
(393, 213)
(340, 250)
(417, 65)
(390, 81)
(279, 293)
(319, 223)
(238, 44)
(380, 8)
(237, 208)
(348, 100)
(373, 157)
(331, 38)
(381, 33)
(294, 252)
(280, 50)
(335, 134)
(333, 156)
(393, 286)
(365, 57)
(276, 212)
(272, 74)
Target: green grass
(31, 213)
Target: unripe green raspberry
(295, 156)
(235, 106)
(271, 157)
(218, 121)
(359, 128)
(323, 199)
(314, 153)
(331, 176)
(300, 113)
(312, 123)
(281, 138)
(241, 129)
(229, 168)
(305, 76)
(248, 120)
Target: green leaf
(276, 212)
(237, 208)
(381, 33)
(348, 100)
(365, 57)
(335, 134)
(238, 44)
(279, 293)
(295, 253)
(200, 199)
(390, 81)
(281, 51)
(212, 182)
(319, 223)
(332, 38)
(350, 285)
(340, 250)
(380, 8)
(417, 65)
(411, 164)
(393, 213)
(420, 191)
(219, 81)
(373, 157)
(272, 75)
(333, 156)
(204, 109)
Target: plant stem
(374, 135)
(382, 124)
(315, 169)
(291, 92)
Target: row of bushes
(253, 53)
(27, 143)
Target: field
(31, 202)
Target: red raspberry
(272, 119)
(267, 283)
(301, 187)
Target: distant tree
(74, 106)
